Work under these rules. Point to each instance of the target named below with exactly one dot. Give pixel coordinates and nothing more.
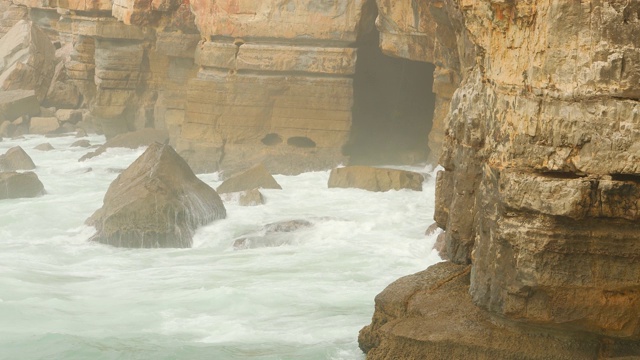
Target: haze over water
(305, 296)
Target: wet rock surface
(274, 234)
(156, 202)
(374, 179)
(415, 318)
(15, 185)
(16, 159)
(258, 177)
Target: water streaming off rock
(304, 295)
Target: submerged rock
(251, 198)
(375, 179)
(130, 140)
(44, 147)
(81, 143)
(156, 202)
(16, 159)
(15, 185)
(254, 178)
(274, 234)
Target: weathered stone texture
(540, 189)
(156, 202)
(374, 179)
(429, 315)
(553, 139)
(15, 185)
(27, 59)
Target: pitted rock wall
(539, 192)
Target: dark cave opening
(393, 107)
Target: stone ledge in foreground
(429, 315)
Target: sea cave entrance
(393, 107)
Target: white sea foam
(304, 297)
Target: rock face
(254, 178)
(539, 192)
(16, 103)
(374, 179)
(156, 202)
(27, 59)
(132, 140)
(416, 319)
(16, 159)
(15, 185)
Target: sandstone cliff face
(234, 82)
(541, 171)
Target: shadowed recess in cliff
(393, 107)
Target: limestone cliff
(241, 82)
(536, 121)
(539, 192)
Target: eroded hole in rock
(626, 177)
(560, 175)
(301, 142)
(272, 139)
(393, 107)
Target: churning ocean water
(304, 295)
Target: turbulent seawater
(62, 297)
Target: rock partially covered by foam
(254, 178)
(156, 202)
(15, 185)
(375, 179)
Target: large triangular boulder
(156, 202)
(27, 59)
(375, 179)
(16, 159)
(15, 185)
(254, 178)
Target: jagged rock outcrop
(539, 190)
(374, 179)
(429, 315)
(27, 59)
(257, 177)
(16, 103)
(156, 202)
(16, 159)
(14, 185)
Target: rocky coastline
(532, 111)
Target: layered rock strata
(539, 192)
(234, 83)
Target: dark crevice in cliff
(393, 107)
